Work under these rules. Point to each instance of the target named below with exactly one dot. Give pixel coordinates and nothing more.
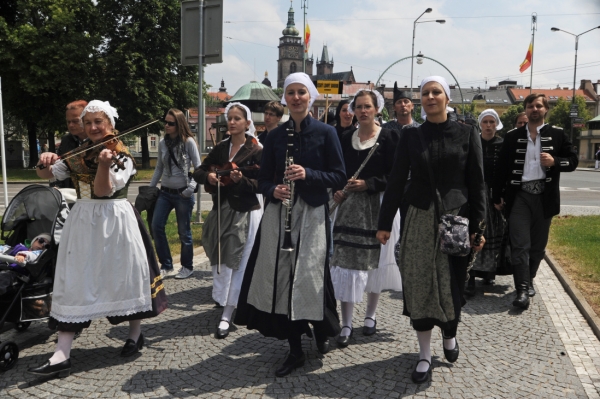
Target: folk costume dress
(284, 291)
(360, 263)
(433, 283)
(106, 265)
(241, 211)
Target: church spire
(291, 29)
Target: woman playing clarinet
(360, 263)
(231, 225)
(286, 289)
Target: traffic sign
(574, 114)
(329, 86)
(577, 120)
(212, 32)
(578, 124)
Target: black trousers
(528, 231)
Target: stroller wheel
(22, 326)
(9, 353)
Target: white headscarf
(101, 106)
(490, 112)
(251, 128)
(303, 79)
(444, 84)
(380, 100)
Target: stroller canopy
(42, 209)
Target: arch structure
(437, 62)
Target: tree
(47, 53)
(508, 118)
(559, 115)
(142, 73)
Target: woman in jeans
(177, 153)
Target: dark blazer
(316, 148)
(376, 171)
(241, 195)
(456, 159)
(509, 170)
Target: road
(578, 189)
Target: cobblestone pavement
(547, 351)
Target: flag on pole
(307, 38)
(527, 63)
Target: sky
(481, 40)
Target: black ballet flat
(420, 377)
(451, 355)
(291, 363)
(343, 341)
(370, 330)
(131, 347)
(323, 347)
(222, 332)
(61, 370)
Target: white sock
(63, 347)
(450, 343)
(372, 300)
(347, 311)
(135, 329)
(227, 312)
(424, 338)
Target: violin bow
(78, 151)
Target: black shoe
(470, 288)
(218, 305)
(222, 332)
(531, 291)
(489, 281)
(342, 340)
(62, 369)
(522, 300)
(420, 377)
(291, 363)
(451, 355)
(131, 347)
(370, 330)
(323, 347)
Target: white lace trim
(363, 145)
(348, 285)
(80, 314)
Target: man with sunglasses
(273, 114)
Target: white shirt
(533, 170)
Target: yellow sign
(329, 86)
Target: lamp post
(439, 21)
(575, 68)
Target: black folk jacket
(509, 169)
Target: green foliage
(508, 118)
(417, 114)
(385, 114)
(470, 109)
(559, 114)
(278, 91)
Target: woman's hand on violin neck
(339, 196)
(295, 172)
(281, 192)
(212, 179)
(105, 158)
(47, 159)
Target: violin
(222, 171)
(108, 142)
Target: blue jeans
(165, 203)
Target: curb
(576, 295)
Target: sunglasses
(42, 241)
(167, 123)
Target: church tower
(325, 66)
(291, 51)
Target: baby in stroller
(22, 255)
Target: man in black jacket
(527, 184)
(74, 138)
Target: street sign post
(575, 125)
(328, 87)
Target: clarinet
(289, 203)
(355, 176)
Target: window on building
(152, 141)
(293, 67)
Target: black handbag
(453, 230)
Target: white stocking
(347, 311)
(135, 329)
(424, 338)
(372, 300)
(226, 317)
(63, 347)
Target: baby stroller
(34, 210)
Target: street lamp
(575, 68)
(439, 21)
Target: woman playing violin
(240, 208)
(106, 265)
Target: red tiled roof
(551, 94)
(219, 95)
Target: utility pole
(304, 7)
(533, 29)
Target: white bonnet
(380, 100)
(101, 106)
(444, 84)
(490, 112)
(303, 79)
(251, 129)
